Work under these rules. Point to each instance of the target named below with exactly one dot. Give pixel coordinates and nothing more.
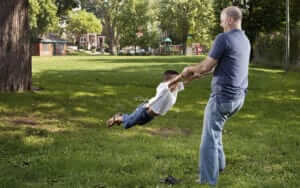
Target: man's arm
(208, 65)
(197, 71)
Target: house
(49, 45)
(92, 40)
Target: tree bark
(15, 52)
(111, 42)
(111, 30)
(185, 38)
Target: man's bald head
(233, 12)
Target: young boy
(165, 98)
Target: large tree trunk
(15, 56)
(185, 47)
(112, 47)
(112, 42)
(252, 38)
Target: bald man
(228, 59)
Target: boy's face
(170, 77)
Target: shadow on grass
(83, 99)
(86, 97)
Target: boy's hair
(168, 74)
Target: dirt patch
(50, 125)
(24, 121)
(36, 88)
(166, 132)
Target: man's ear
(230, 21)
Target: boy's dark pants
(139, 117)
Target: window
(45, 47)
(82, 39)
(60, 47)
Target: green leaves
(258, 16)
(34, 10)
(43, 17)
(135, 18)
(82, 22)
(65, 5)
(182, 17)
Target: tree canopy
(109, 13)
(135, 22)
(43, 17)
(183, 18)
(82, 22)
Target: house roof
(52, 39)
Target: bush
(270, 49)
(295, 46)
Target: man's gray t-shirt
(232, 50)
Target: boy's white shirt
(164, 98)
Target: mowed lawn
(57, 137)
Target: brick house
(92, 40)
(49, 45)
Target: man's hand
(186, 76)
(187, 72)
(197, 71)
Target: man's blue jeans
(212, 157)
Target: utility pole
(287, 43)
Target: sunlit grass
(36, 140)
(268, 70)
(56, 136)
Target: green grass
(56, 137)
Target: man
(229, 60)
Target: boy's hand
(178, 78)
(190, 73)
(193, 77)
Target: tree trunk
(251, 30)
(185, 51)
(252, 38)
(112, 47)
(111, 38)
(184, 39)
(15, 56)
(112, 43)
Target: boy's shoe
(113, 120)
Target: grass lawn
(57, 137)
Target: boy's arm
(188, 79)
(175, 80)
